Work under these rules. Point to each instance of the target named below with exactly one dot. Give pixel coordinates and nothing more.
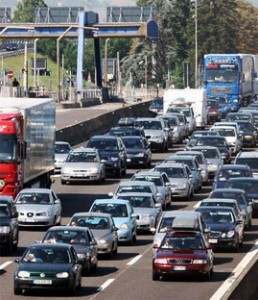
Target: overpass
(86, 26)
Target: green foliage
(24, 12)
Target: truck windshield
(221, 75)
(8, 148)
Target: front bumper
(35, 221)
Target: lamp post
(196, 42)
(106, 62)
(35, 62)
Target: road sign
(10, 74)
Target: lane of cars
(125, 215)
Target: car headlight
(203, 172)
(124, 226)
(161, 261)
(140, 155)
(81, 255)
(94, 170)
(147, 217)
(23, 274)
(5, 229)
(62, 275)
(44, 214)
(102, 241)
(200, 261)
(182, 185)
(231, 233)
(114, 158)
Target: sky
(98, 6)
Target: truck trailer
(27, 143)
(193, 99)
(231, 76)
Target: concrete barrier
(76, 134)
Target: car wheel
(250, 222)
(155, 276)
(115, 251)
(124, 170)
(9, 247)
(72, 290)
(119, 172)
(236, 248)
(63, 181)
(207, 276)
(17, 291)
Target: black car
(12, 47)
(249, 185)
(126, 121)
(197, 134)
(226, 229)
(112, 151)
(248, 133)
(126, 131)
(138, 151)
(9, 230)
(48, 266)
(217, 141)
(156, 106)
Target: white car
(38, 207)
(62, 150)
(82, 165)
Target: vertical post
(25, 77)
(58, 70)
(196, 44)
(118, 74)
(106, 62)
(146, 75)
(35, 63)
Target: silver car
(61, 152)
(174, 125)
(83, 165)
(213, 158)
(103, 228)
(180, 177)
(161, 180)
(146, 210)
(38, 207)
(155, 131)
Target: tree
(24, 12)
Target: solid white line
(4, 265)
(105, 285)
(236, 274)
(134, 260)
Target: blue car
(123, 215)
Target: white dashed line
(4, 265)
(105, 284)
(134, 260)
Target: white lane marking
(4, 265)
(105, 285)
(224, 291)
(134, 260)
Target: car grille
(43, 274)
(30, 214)
(215, 234)
(180, 261)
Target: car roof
(243, 179)
(234, 167)
(84, 149)
(49, 245)
(135, 182)
(113, 201)
(204, 147)
(230, 190)
(91, 214)
(120, 196)
(149, 173)
(36, 190)
(6, 201)
(183, 157)
(169, 164)
(248, 154)
(226, 200)
(71, 228)
(180, 213)
(62, 143)
(226, 208)
(106, 137)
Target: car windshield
(172, 122)
(133, 143)
(4, 211)
(62, 148)
(155, 125)
(126, 131)
(82, 157)
(156, 179)
(249, 161)
(91, 222)
(217, 142)
(104, 145)
(245, 126)
(47, 255)
(116, 210)
(33, 198)
(248, 186)
(134, 189)
(225, 132)
(210, 153)
(67, 237)
(166, 224)
(224, 175)
(173, 172)
(188, 162)
(138, 201)
(182, 243)
(228, 195)
(217, 217)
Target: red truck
(27, 137)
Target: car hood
(215, 161)
(153, 132)
(181, 253)
(100, 233)
(247, 132)
(40, 267)
(220, 227)
(61, 156)
(5, 221)
(80, 166)
(119, 221)
(134, 151)
(32, 207)
(80, 249)
(174, 181)
(103, 154)
(144, 210)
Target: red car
(183, 252)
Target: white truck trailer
(193, 98)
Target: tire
(9, 247)
(115, 251)
(72, 291)
(155, 276)
(17, 291)
(63, 181)
(207, 276)
(236, 248)
(124, 170)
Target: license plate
(128, 160)
(80, 175)
(213, 241)
(42, 281)
(179, 268)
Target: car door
(56, 204)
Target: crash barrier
(241, 284)
(78, 133)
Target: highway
(127, 276)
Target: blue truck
(231, 76)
